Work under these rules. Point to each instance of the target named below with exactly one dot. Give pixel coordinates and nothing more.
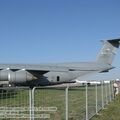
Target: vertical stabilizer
(108, 51)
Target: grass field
(56, 98)
(51, 102)
(112, 111)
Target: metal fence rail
(61, 103)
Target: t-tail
(108, 51)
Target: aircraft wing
(44, 68)
(34, 67)
(95, 76)
(21, 73)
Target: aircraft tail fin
(108, 51)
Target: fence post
(30, 103)
(106, 93)
(66, 103)
(96, 99)
(102, 94)
(33, 97)
(86, 101)
(110, 91)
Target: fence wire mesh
(14, 104)
(76, 103)
(49, 103)
(61, 103)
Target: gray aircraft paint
(47, 74)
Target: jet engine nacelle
(20, 76)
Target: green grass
(112, 111)
(54, 98)
(49, 98)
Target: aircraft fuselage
(84, 68)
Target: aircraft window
(58, 78)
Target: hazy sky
(40, 31)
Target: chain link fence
(14, 104)
(55, 103)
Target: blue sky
(45, 31)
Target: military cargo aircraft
(51, 74)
